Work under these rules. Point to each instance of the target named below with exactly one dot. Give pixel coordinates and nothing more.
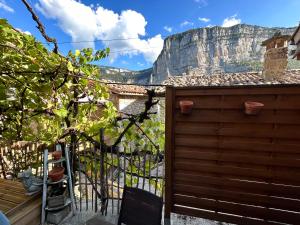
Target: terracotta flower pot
(253, 108)
(57, 155)
(186, 106)
(57, 173)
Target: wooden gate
(224, 165)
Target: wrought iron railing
(99, 173)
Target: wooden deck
(18, 207)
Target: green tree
(45, 96)
(43, 92)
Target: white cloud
(186, 23)
(25, 32)
(231, 21)
(169, 29)
(4, 6)
(203, 19)
(88, 23)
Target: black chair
(138, 207)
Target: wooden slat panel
(238, 90)
(232, 116)
(238, 209)
(169, 149)
(247, 144)
(237, 197)
(288, 177)
(237, 101)
(247, 186)
(275, 155)
(239, 130)
(225, 160)
(237, 157)
(219, 216)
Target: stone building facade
(130, 99)
(276, 56)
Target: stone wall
(276, 61)
(136, 104)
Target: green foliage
(41, 92)
(150, 137)
(44, 94)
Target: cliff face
(216, 49)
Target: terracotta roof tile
(124, 89)
(230, 79)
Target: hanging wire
(87, 78)
(133, 38)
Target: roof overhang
(284, 37)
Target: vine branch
(41, 27)
(134, 119)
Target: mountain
(125, 75)
(215, 49)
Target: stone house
(276, 56)
(295, 40)
(277, 41)
(131, 99)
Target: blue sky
(141, 24)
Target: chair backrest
(140, 207)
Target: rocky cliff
(215, 49)
(124, 75)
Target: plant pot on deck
(57, 173)
(253, 108)
(186, 106)
(57, 155)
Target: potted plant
(57, 173)
(57, 155)
(253, 108)
(186, 106)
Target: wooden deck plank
(4, 208)
(12, 195)
(16, 187)
(7, 203)
(17, 206)
(28, 214)
(11, 198)
(18, 193)
(12, 183)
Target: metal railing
(99, 173)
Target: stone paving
(80, 218)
